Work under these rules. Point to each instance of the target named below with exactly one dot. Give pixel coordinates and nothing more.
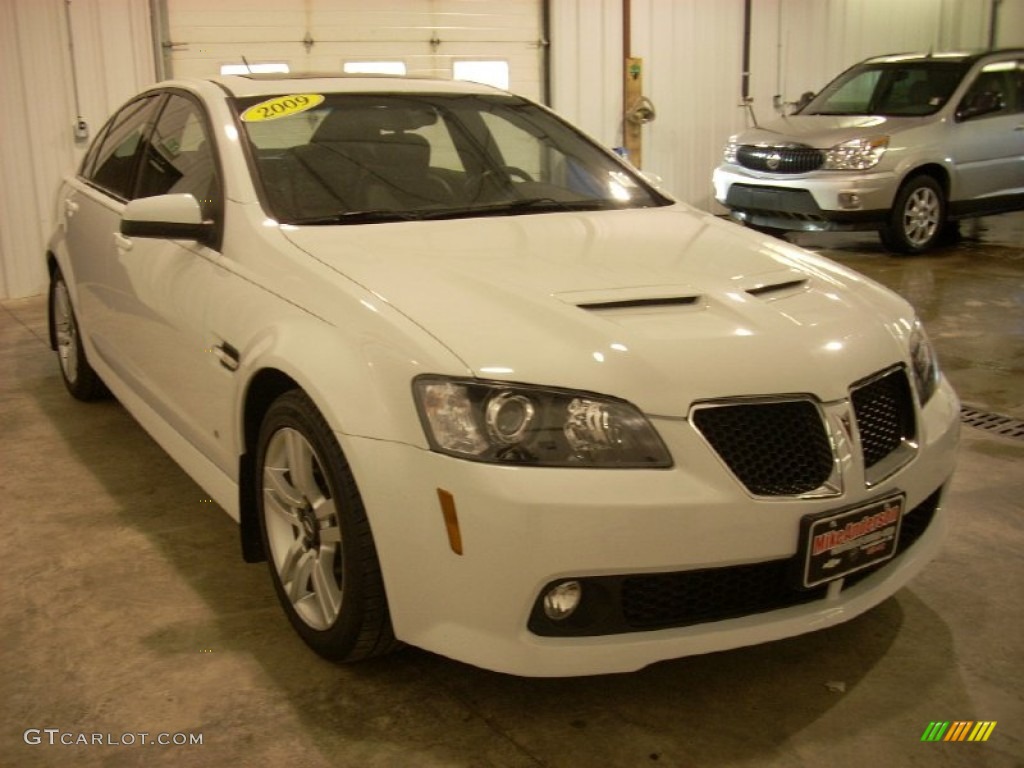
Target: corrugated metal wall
(113, 58)
(692, 51)
(586, 65)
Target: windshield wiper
(372, 216)
(516, 207)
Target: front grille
(884, 409)
(642, 602)
(780, 159)
(773, 448)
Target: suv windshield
(890, 89)
(362, 158)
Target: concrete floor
(126, 608)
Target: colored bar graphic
(958, 730)
(982, 731)
(935, 731)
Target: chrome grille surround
(792, 158)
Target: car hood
(660, 306)
(824, 131)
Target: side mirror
(805, 98)
(171, 217)
(984, 103)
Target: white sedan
(468, 381)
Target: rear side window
(111, 165)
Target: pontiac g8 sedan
(468, 382)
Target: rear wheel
(79, 377)
(316, 535)
(918, 217)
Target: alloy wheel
(302, 528)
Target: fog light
(562, 599)
(849, 200)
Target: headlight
(856, 155)
(729, 153)
(926, 364)
(518, 424)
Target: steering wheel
(516, 172)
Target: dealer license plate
(836, 544)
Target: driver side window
(995, 91)
(178, 157)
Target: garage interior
(126, 607)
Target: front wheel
(918, 217)
(316, 535)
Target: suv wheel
(917, 220)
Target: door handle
(123, 243)
(70, 207)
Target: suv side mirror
(805, 98)
(983, 103)
(172, 217)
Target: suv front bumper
(812, 202)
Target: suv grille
(775, 449)
(885, 415)
(780, 159)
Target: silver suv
(906, 144)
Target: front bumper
(812, 202)
(525, 528)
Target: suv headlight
(925, 363)
(519, 424)
(856, 154)
(730, 151)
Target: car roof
(331, 82)
(954, 56)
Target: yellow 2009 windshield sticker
(282, 106)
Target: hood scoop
(668, 301)
(634, 298)
(777, 289)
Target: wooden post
(632, 137)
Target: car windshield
(365, 158)
(890, 89)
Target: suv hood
(824, 131)
(658, 306)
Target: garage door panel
(427, 35)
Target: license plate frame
(838, 543)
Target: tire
(917, 220)
(770, 231)
(316, 535)
(79, 377)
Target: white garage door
(473, 39)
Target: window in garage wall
(430, 37)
